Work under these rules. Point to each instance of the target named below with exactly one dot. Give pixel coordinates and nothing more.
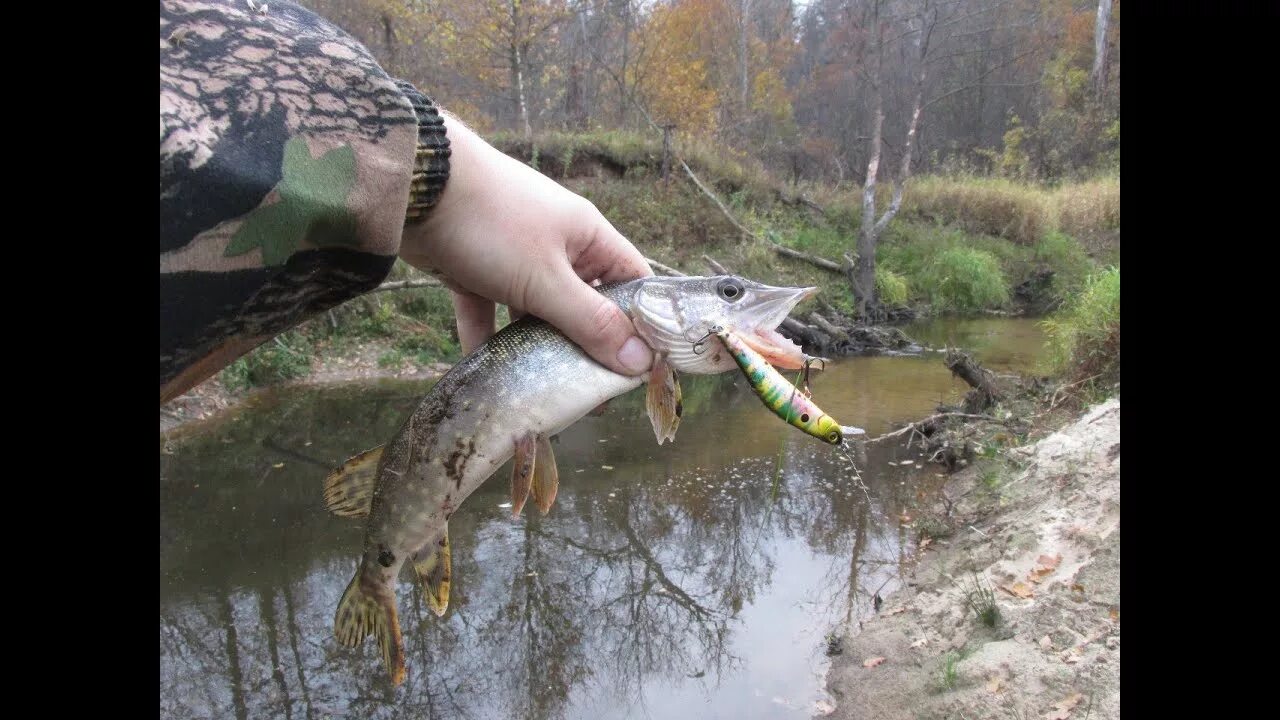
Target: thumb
(593, 321)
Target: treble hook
(699, 347)
(803, 378)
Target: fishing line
(844, 450)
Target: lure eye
(804, 418)
(730, 289)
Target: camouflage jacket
(290, 163)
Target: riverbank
(350, 362)
(1038, 540)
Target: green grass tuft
(1084, 337)
(962, 279)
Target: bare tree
(864, 267)
(1100, 47)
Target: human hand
(503, 232)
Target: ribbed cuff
(431, 159)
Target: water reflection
(693, 580)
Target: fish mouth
(775, 304)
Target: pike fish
(506, 399)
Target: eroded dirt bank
(1046, 542)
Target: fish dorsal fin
(434, 565)
(663, 399)
(348, 491)
(546, 476)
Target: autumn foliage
(1008, 88)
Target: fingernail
(635, 355)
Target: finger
(476, 317)
(591, 320)
(610, 257)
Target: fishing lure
(778, 395)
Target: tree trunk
(622, 76)
(517, 70)
(574, 110)
(389, 37)
(1100, 48)
(744, 72)
(864, 271)
(864, 275)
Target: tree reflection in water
(636, 588)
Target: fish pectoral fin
(663, 399)
(546, 477)
(367, 607)
(348, 491)
(434, 566)
(522, 472)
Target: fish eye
(730, 289)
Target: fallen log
(828, 327)
(984, 393)
(811, 259)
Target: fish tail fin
(368, 607)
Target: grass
(1070, 263)
(1020, 212)
(964, 279)
(891, 287)
(1083, 339)
(284, 358)
(1015, 211)
(950, 675)
(981, 599)
(417, 324)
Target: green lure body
(779, 395)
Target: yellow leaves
(1047, 562)
(1045, 565)
(672, 74)
(993, 685)
(1019, 590)
(1063, 708)
(769, 96)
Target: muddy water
(692, 580)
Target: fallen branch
(1054, 400)
(984, 393)
(407, 284)
(715, 266)
(716, 200)
(664, 269)
(800, 330)
(811, 259)
(828, 327)
(931, 418)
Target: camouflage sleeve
(289, 165)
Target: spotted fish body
(781, 396)
(506, 399)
